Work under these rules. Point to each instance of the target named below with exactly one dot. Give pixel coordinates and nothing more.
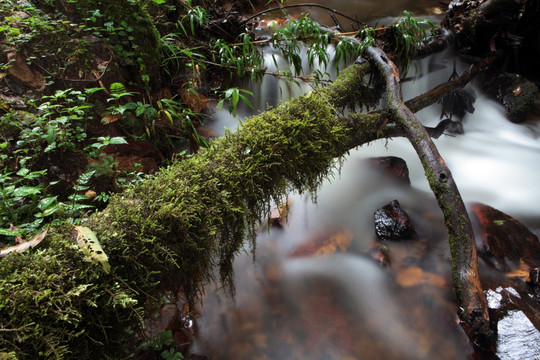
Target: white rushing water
(494, 162)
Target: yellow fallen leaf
(88, 242)
(110, 118)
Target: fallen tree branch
(466, 279)
(191, 219)
(330, 10)
(434, 95)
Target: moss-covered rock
(515, 93)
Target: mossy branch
(466, 279)
(180, 226)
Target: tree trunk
(193, 218)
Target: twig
(332, 11)
(434, 95)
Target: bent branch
(466, 278)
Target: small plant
(307, 31)
(243, 57)
(181, 118)
(177, 58)
(195, 17)
(410, 33)
(22, 197)
(77, 202)
(233, 96)
(163, 342)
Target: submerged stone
(392, 166)
(393, 223)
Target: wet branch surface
(434, 95)
(466, 279)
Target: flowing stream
(345, 305)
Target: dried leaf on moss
(25, 245)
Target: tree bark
(466, 279)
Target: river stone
(515, 93)
(393, 223)
(502, 240)
(19, 70)
(392, 166)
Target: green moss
(350, 90)
(179, 226)
(51, 297)
(519, 99)
(458, 234)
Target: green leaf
(23, 172)
(46, 202)
(50, 147)
(77, 197)
(7, 232)
(229, 92)
(50, 211)
(139, 111)
(235, 97)
(26, 191)
(245, 99)
(117, 140)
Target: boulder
(503, 241)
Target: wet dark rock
(393, 223)
(534, 276)
(393, 166)
(515, 93)
(503, 241)
(534, 282)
